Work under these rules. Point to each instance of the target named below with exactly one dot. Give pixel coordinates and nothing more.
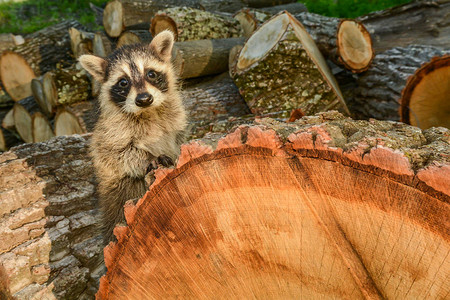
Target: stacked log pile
(239, 62)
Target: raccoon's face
(136, 77)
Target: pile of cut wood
(284, 62)
(247, 206)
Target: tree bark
(276, 73)
(224, 218)
(419, 22)
(214, 106)
(193, 24)
(379, 89)
(49, 245)
(203, 57)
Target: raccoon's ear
(95, 65)
(162, 44)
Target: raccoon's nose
(143, 100)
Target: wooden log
(49, 245)
(16, 75)
(280, 69)
(213, 105)
(203, 57)
(9, 40)
(80, 41)
(135, 14)
(224, 218)
(345, 42)
(102, 46)
(41, 130)
(193, 24)
(130, 37)
(8, 120)
(77, 118)
(425, 100)
(39, 54)
(399, 26)
(5, 98)
(378, 94)
(23, 112)
(7, 139)
(37, 90)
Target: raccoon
(142, 120)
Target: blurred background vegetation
(31, 15)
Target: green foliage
(31, 15)
(349, 8)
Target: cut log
(102, 46)
(8, 120)
(193, 24)
(419, 22)
(135, 14)
(203, 57)
(425, 100)
(47, 47)
(344, 220)
(80, 42)
(49, 245)
(23, 112)
(134, 37)
(75, 119)
(16, 75)
(39, 54)
(379, 89)
(5, 99)
(38, 94)
(41, 128)
(280, 69)
(9, 40)
(213, 104)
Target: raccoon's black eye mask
(120, 90)
(158, 80)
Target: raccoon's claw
(165, 161)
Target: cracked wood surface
(322, 207)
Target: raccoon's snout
(143, 100)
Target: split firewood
(76, 118)
(345, 42)
(49, 243)
(379, 91)
(80, 41)
(119, 15)
(203, 57)
(61, 86)
(212, 102)
(101, 45)
(194, 24)
(40, 53)
(130, 37)
(419, 22)
(8, 120)
(16, 75)
(280, 69)
(41, 128)
(253, 208)
(23, 112)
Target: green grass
(32, 15)
(349, 8)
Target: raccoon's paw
(165, 161)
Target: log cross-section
(325, 207)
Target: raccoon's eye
(123, 83)
(151, 74)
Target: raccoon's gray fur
(141, 119)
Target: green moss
(349, 8)
(32, 15)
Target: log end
(425, 100)
(113, 18)
(354, 46)
(162, 22)
(16, 75)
